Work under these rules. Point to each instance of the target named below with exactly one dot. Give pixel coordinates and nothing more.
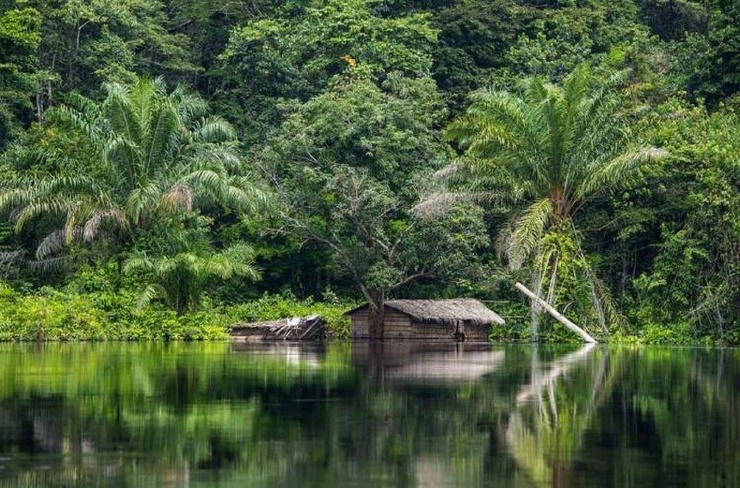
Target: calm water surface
(280, 415)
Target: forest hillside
(169, 167)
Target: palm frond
(190, 107)
(242, 257)
(178, 198)
(578, 86)
(11, 198)
(125, 158)
(159, 139)
(221, 154)
(38, 207)
(213, 130)
(99, 217)
(237, 260)
(57, 241)
(74, 187)
(148, 294)
(138, 262)
(82, 113)
(483, 136)
(48, 265)
(535, 90)
(527, 231)
(208, 179)
(124, 118)
(618, 170)
(141, 200)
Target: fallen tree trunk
(556, 315)
(296, 328)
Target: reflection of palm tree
(546, 428)
(546, 150)
(156, 153)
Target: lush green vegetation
(168, 168)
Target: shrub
(52, 315)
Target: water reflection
(546, 426)
(417, 362)
(362, 414)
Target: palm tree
(157, 153)
(179, 279)
(546, 151)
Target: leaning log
(556, 315)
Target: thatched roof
(467, 309)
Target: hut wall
(434, 330)
(475, 331)
(397, 325)
(359, 324)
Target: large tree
(348, 165)
(546, 151)
(20, 35)
(306, 48)
(692, 203)
(144, 153)
(85, 43)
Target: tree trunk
(556, 315)
(535, 309)
(376, 314)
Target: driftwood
(292, 329)
(556, 315)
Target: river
(367, 415)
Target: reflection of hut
(421, 362)
(462, 319)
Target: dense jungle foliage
(169, 167)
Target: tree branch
(409, 279)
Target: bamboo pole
(556, 315)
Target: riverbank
(52, 315)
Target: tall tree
(86, 43)
(20, 36)
(474, 38)
(155, 153)
(306, 49)
(707, 60)
(693, 201)
(564, 35)
(347, 165)
(546, 151)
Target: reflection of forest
(367, 415)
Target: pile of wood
(292, 329)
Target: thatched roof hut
(459, 319)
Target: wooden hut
(462, 319)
